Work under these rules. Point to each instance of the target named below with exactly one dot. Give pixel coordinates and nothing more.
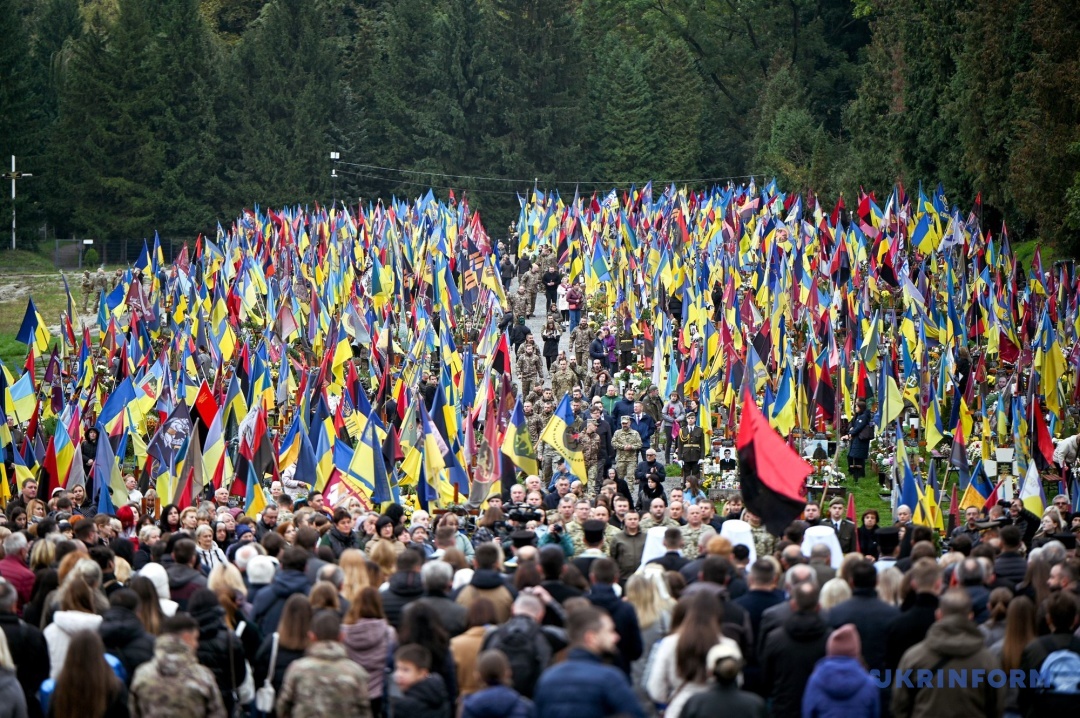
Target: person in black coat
(860, 432)
(910, 627)
(604, 573)
(28, 648)
(672, 560)
(791, 651)
(1011, 565)
(123, 633)
(219, 648)
(869, 613)
(867, 533)
(724, 696)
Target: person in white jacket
(156, 573)
(76, 614)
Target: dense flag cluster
(296, 342)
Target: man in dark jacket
(971, 576)
(1011, 564)
(553, 564)
(184, 578)
(267, 522)
(266, 611)
(27, 646)
(123, 634)
(524, 642)
(953, 643)
(910, 627)
(869, 613)
(437, 578)
(603, 575)
(792, 650)
(582, 685)
(762, 594)
(404, 587)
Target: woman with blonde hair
(42, 555)
(353, 565)
(189, 519)
(647, 593)
(888, 585)
(384, 555)
(833, 593)
(36, 511)
(227, 583)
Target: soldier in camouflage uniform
(325, 682)
(533, 284)
(519, 302)
(533, 422)
(562, 379)
(582, 511)
(590, 449)
(580, 339)
(530, 368)
(626, 443)
(693, 531)
(172, 684)
(87, 289)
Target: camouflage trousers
(625, 469)
(527, 384)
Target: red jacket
(15, 572)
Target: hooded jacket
(58, 635)
(368, 643)
(266, 609)
(403, 589)
(488, 583)
(497, 702)
(426, 699)
(623, 615)
(953, 643)
(788, 660)
(183, 581)
(124, 637)
(840, 687)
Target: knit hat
(242, 530)
(844, 641)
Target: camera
(521, 513)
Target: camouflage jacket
(581, 337)
(173, 684)
(521, 304)
(649, 522)
(535, 424)
(530, 365)
(562, 381)
(626, 442)
(692, 537)
(325, 682)
(590, 447)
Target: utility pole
(13, 175)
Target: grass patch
(21, 261)
(1025, 252)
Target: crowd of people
(322, 466)
(312, 611)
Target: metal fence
(70, 253)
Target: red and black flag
(772, 475)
